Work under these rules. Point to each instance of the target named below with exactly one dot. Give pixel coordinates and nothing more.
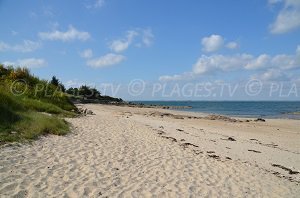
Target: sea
(249, 109)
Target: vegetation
(86, 94)
(30, 107)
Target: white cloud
(148, 37)
(122, 44)
(4, 46)
(145, 37)
(288, 18)
(71, 34)
(99, 3)
(274, 1)
(232, 45)
(29, 63)
(95, 4)
(176, 77)
(281, 61)
(106, 60)
(271, 75)
(212, 43)
(273, 66)
(26, 46)
(88, 53)
(206, 64)
(14, 33)
(259, 62)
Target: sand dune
(126, 152)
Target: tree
(54, 81)
(72, 91)
(85, 91)
(62, 87)
(88, 92)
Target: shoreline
(159, 104)
(189, 109)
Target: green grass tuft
(33, 124)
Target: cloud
(148, 37)
(145, 36)
(120, 45)
(88, 53)
(206, 64)
(106, 60)
(48, 11)
(26, 46)
(274, 1)
(259, 62)
(281, 61)
(271, 75)
(288, 18)
(71, 34)
(184, 76)
(14, 33)
(96, 4)
(215, 42)
(99, 3)
(212, 43)
(29, 63)
(232, 45)
(272, 66)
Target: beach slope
(141, 152)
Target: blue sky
(98, 42)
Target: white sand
(126, 152)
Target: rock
(231, 139)
(251, 150)
(220, 117)
(260, 120)
(13, 132)
(214, 156)
(89, 112)
(291, 172)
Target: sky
(159, 50)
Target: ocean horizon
(251, 109)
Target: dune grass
(26, 119)
(31, 125)
(34, 112)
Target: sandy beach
(146, 152)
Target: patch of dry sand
(121, 152)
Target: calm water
(241, 109)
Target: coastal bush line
(30, 106)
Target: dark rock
(210, 151)
(291, 172)
(260, 120)
(231, 139)
(214, 156)
(254, 151)
(185, 145)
